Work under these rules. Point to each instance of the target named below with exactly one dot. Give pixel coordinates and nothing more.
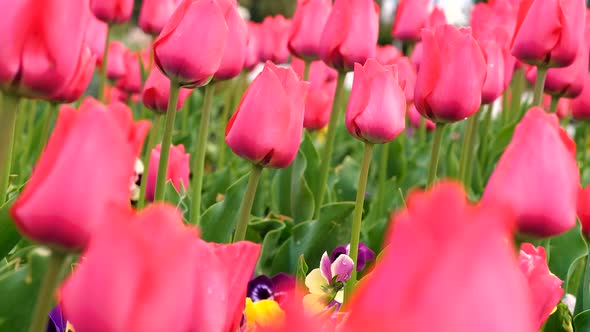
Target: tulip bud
(131, 81)
(410, 18)
(387, 54)
(274, 39)
(234, 54)
(83, 172)
(155, 13)
(543, 197)
(581, 104)
(376, 111)
(112, 11)
(406, 76)
(494, 83)
(583, 210)
(350, 34)
(415, 118)
(116, 66)
(437, 17)
(253, 46)
(452, 58)
(80, 81)
(306, 30)
(156, 92)
(178, 169)
(190, 47)
(554, 43)
(268, 131)
(96, 37)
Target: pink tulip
(415, 118)
(83, 172)
(546, 291)
(80, 81)
(178, 169)
(155, 13)
(554, 43)
(116, 65)
(131, 81)
(274, 39)
(114, 94)
(543, 199)
(583, 210)
(581, 104)
(437, 17)
(406, 76)
(387, 54)
(112, 11)
(410, 18)
(156, 92)
(190, 47)
(452, 58)
(96, 37)
(306, 30)
(268, 131)
(253, 46)
(134, 256)
(234, 54)
(563, 108)
(493, 86)
(376, 111)
(350, 34)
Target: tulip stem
(487, 121)
(8, 110)
(227, 104)
(306, 70)
(152, 140)
(382, 175)
(199, 159)
(554, 102)
(45, 297)
(327, 153)
(103, 69)
(518, 84)
(166, 141)
(247, 202)
(436, 143)
(539, 86)
(358, 217)
(468, 145)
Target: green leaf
(291, 195)
(312, 171)
(560, 320)
(218, 222)
(582, 321)
(565, 249)
(269, 233)
(347, 177)
(302, 270)
(575, 275)
(9, 235)
(177, 198)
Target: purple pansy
(365, 255)
(277, 288)
(57, 322)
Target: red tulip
(537, 176)
(350, 34)
(268, 131)
(274, 39)
(583, 210)
(415, 118)
(156, 92)
(131, 81)
(42, 42)
(410, 291)
(155, 13)
(554, 43)
(493, 86)
(116, 65)
(133, 257)
(410, 18)
(565, 81)
(387, 54)
(581, 104)
(452, 58)
(306, 30)
(190, 47)
(96, 37)
(80, 81)
(234, 55)
(376, 111)
(112, 11)
(546, 291)
(85, 168)
(178, 169)
(253, 46)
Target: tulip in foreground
(177, 171)
(537, 176)
(134, 256)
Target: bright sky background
(456, 10)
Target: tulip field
(184, 168)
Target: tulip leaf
(291, 194)
(218, 222)
(560, 320)
(302, 270)
(347, 177)
(312, 170)
(575, 275)
(314, 237)
(9, 235)
(269, 233)
(565, 250)
(582, 321)
(214, 185)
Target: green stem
(436, 143)
(8, 110)
(247, 202)
(358, 217)
(46, 296)
(329, 146)
(554, 103)
(471, 150)
(468, 142)
(487, 121)
(227, 104)
(186, 112)
(166, 141)
(306, 70)
(46, 130)
(539, 86)
(382, 175)
(518, 84)
(422, 131)
(103, 70)
(152, 140)
(199, 153)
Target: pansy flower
(326, 283)
(57, 322)
(365, 255)
(277, 288)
